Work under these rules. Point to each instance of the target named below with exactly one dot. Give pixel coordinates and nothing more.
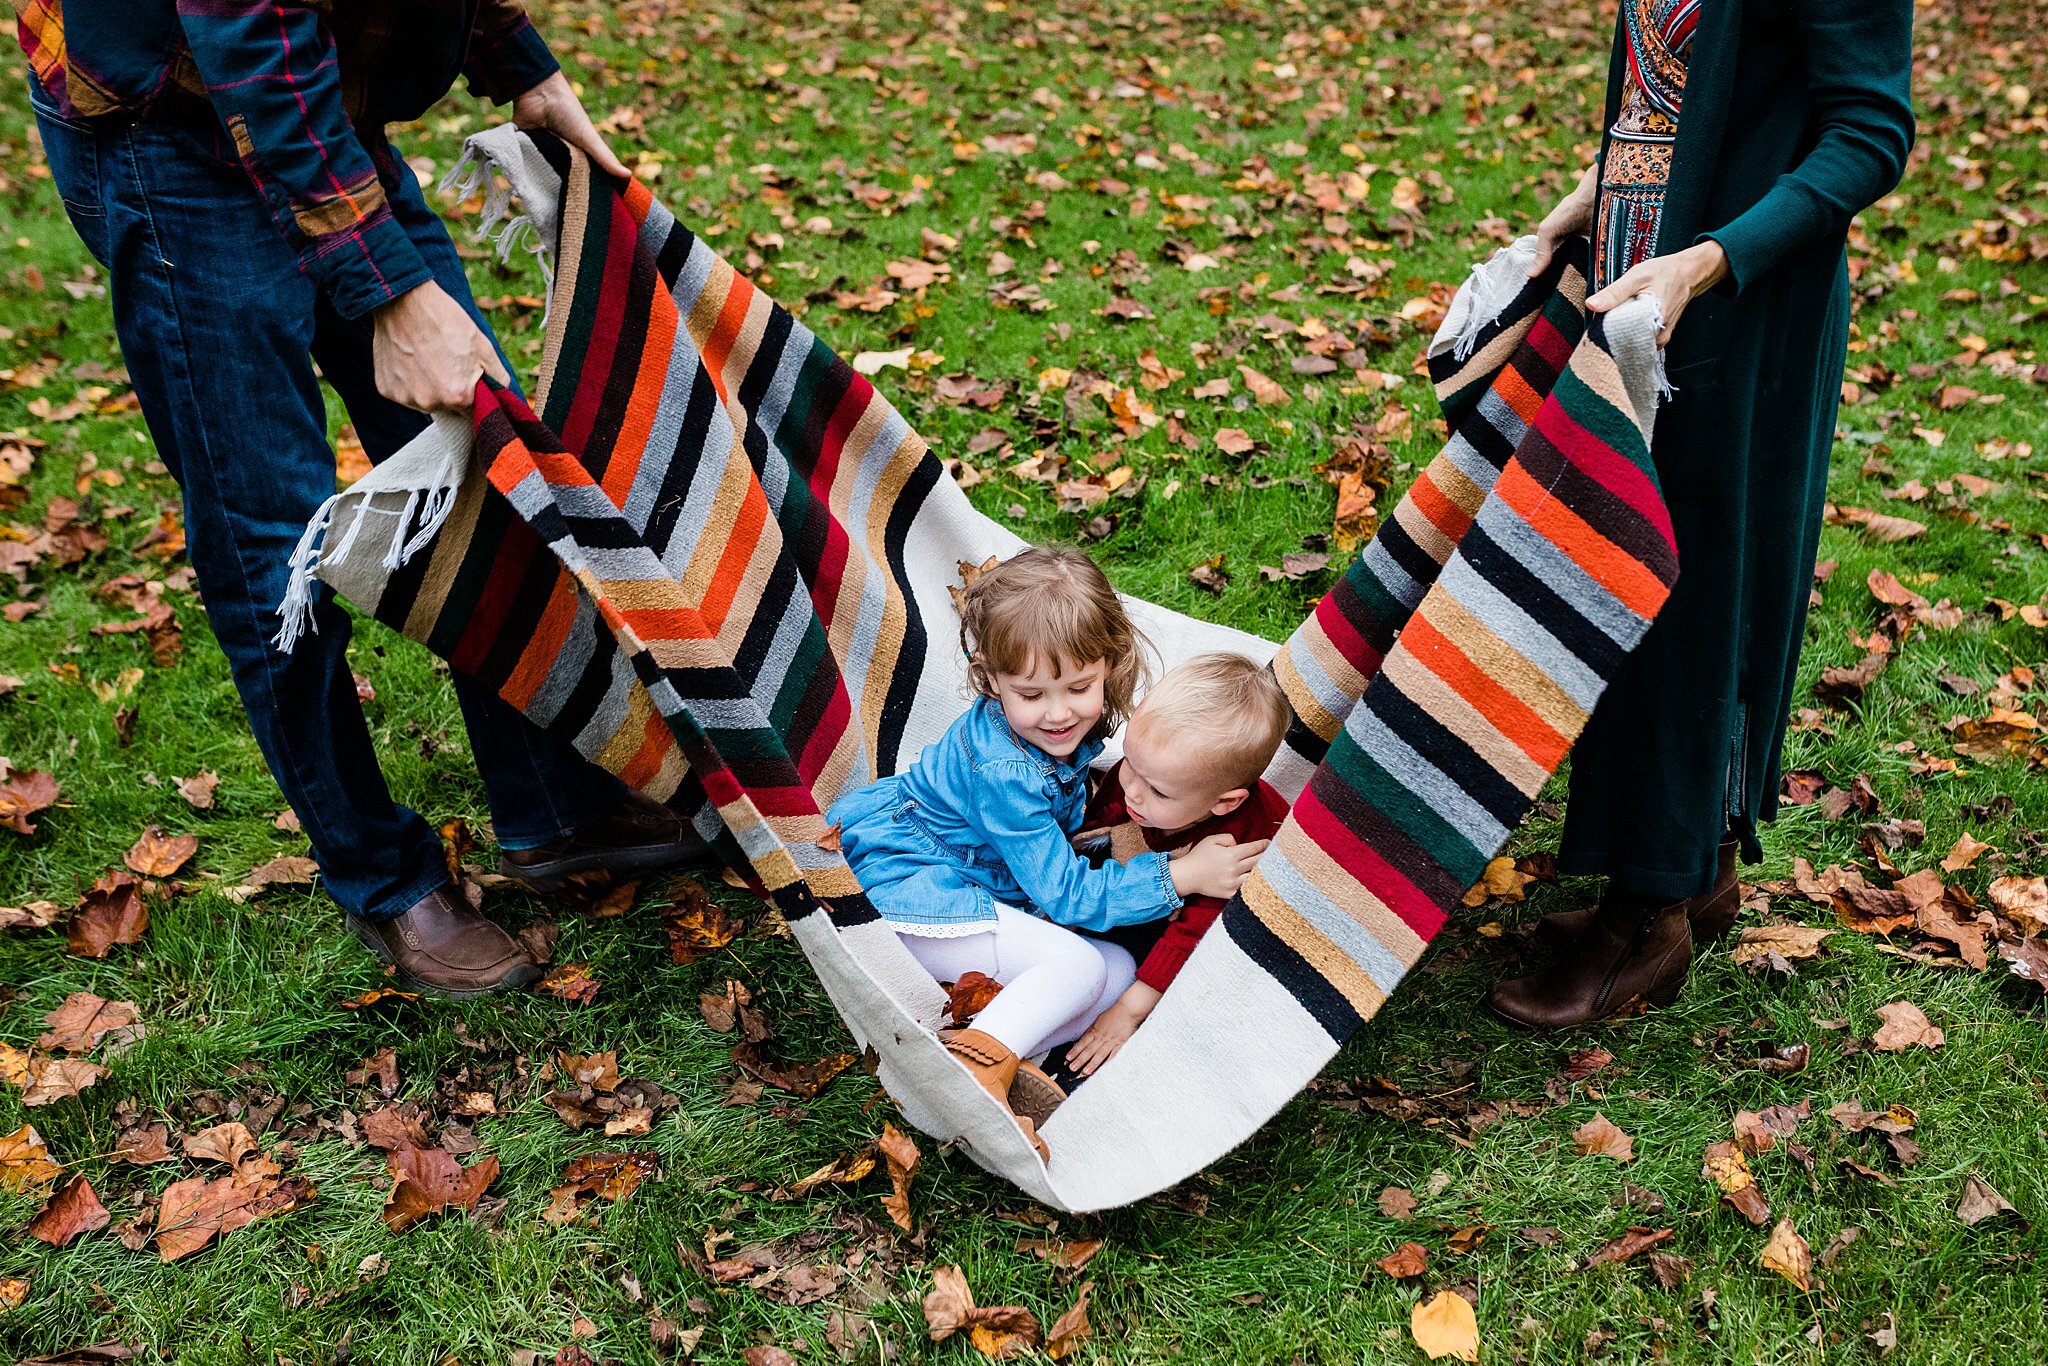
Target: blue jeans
(221, 331)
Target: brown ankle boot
(995, 1067)
(641, 836)
(1627, 953)
(1712, 913)
(444, 948)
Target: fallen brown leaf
(111, 913)
(1071, 1329)
(1980, 1201)
(54, 1079)
(198, 790)
(78, 1025)
(840, 1171)
(602, 1176)
(74, 1209)
(1727, 1168)
(425, 1181)
(696, 924)
(23, 792)
(1630, 1244)
(195, 1211)
(1406, 1261)
(1063, 1253)
(1905, 1027)
(1759, 944)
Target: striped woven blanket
(713, 557)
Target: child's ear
(1230, 801)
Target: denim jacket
(982, 818)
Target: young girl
(967, 853)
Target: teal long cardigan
(1797, 116)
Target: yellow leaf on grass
(1788, 1254)
(1445, 1326)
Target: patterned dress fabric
(713, 557)
(1637, 166)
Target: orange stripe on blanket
(537, 660)
(732, 317)
(731, 573)
(1619, 572)
(654, 748)
(1514, 390)
(1509, 714)
(1431, 501)
(643, 404)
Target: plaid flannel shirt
(291, 81)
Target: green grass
(763, 118)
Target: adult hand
(1215, 867)
(1572, 217)
(1674, 281)
(428, 352)
(553, 105)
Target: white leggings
(1054, 981)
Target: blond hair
(1050, 604)
(1226, 706)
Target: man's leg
(216, 322)
(540, 789)
(552, 811)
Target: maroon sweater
(1258, 817)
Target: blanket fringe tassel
(496, 221)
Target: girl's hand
(1673, 281)
(1572, 217)
(1215, 867)
(1112, 1029)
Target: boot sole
(645, 858)
(520, 975)
(1035, 1095)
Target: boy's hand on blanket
(1215, 867)
(1572, 216)
(1112, 1029)
(553, 105)
(1673, 280)
(428, 353)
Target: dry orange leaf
(1727, 1168)
(1600, 1137)
(1445, 1326)
(158, 854)
(1072, 1328)
(196, 1210)
(899, 1150)
(25, 1161)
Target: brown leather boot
(1627, 953)
(995, 1067)
(444, 948)
(1712, 913)
(641, 836)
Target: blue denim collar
(1062, 771)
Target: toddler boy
(1193, 753)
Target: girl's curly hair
(1051, 603)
